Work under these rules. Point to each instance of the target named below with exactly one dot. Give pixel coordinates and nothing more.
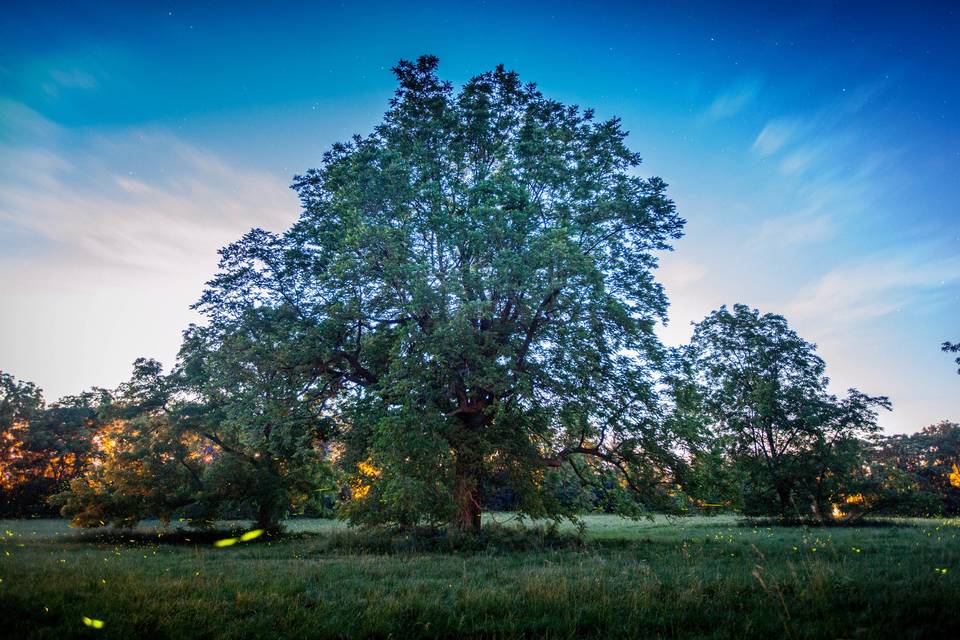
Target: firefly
(251, 535)
(92, 622)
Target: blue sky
(814, 151)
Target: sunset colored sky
(814, 151)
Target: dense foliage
(917, 474)
(471, 287)
(785, 445)
(184, 447)
(42, 447)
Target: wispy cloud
(680, 273)
(800, 159)
(875, 287)
(69, 79)
(797, 229)
(775, 135)
(110, 237)
(795, 133)
(734, 100)
(823, 188)
(139, 199)
(828, 174)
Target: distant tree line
(463, 319)
(766, 439)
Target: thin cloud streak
(734, 100)
(775, 135)
(854, 294)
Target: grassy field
(695, 577)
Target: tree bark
(267, 515)
(783, 493)
(466, 491)
(270, 498)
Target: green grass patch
(694, 577)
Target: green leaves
(481, 250)
(948, 347)
(42, 447)
(763, 393)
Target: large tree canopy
(470, 286)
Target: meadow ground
(693, 577)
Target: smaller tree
(44, 447)
(926, 462)
(763, 398)
(236, 429)
(144, 464)
(19, 402)
(885, 486)
(252, 389)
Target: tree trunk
(466, 491)
(270, 497)
(783, 492)
(265, 515)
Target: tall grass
(705, 577)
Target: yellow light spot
(226, 542)
(359, 490)
(367, 469)
(251, 535)
(360, 487)
(93, 622)
(955, 476)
